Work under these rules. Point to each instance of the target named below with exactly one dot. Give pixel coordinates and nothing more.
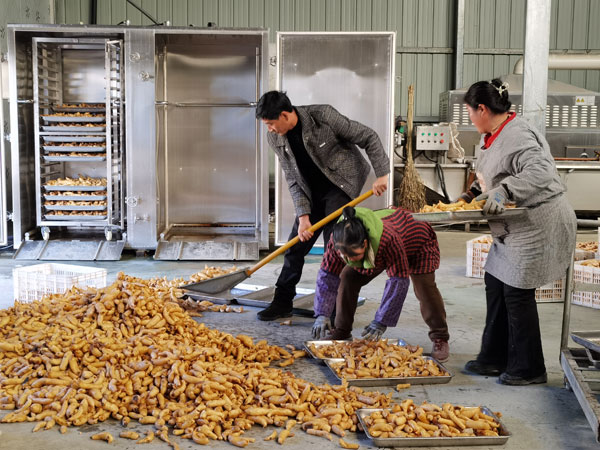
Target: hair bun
(349, 212)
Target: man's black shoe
(275, 311)
(513, 380)
(478, 368)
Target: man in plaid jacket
(318, 150)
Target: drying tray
(74, 218)
(74, 187)
(391, 381)
(75, 207)
(76, 108)
(74, 118)
(75, 138)
(435, 441)
(74, 158)
(473, 214)
(94, 129)
(69, 149)
(589, 339)
(75, 197)
(307, 345)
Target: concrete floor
(539, 417)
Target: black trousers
(511, 338)
(293, 260)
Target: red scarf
(489, 139)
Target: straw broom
(412, 190)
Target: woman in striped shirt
(364, 243)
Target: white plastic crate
(586, 274)
(477, 252)
(551, 292)
(586, 250)
(34, 282)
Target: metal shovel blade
(218, 284)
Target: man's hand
(373, 331)
(380, 185)
(303, 226)
(494, 201)
(321, 326)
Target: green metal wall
(493, 38)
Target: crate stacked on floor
(587, 271)
(34, 282)
(477, 252)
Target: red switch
(441, 141)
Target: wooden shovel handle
(313, 228)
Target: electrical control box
(432, 137)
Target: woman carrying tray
(529, 250)
(364, 243)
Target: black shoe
(275, 311)
(478, 368)
(513, 380)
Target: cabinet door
(353, 72)
(3, 206)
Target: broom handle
(409, 122)
(334, 215)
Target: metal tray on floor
(74, 148)
(94, 129)
(75, 207)
(474, 214)
(74, 188)
(589, 339)
(75, 138)
(74, 158)
(391, 381)
(462, 441)
(308, 344)
(73, 218)
(74, 118)
(75, 197)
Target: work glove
(321, 326)
(494, 201)
(373, 331)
